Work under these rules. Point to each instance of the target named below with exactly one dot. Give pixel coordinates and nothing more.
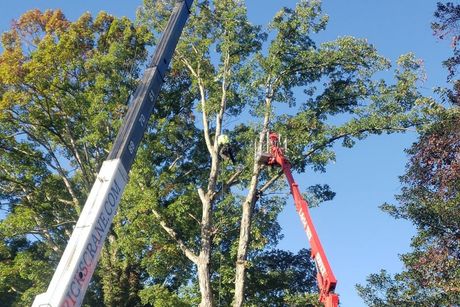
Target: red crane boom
(325, 277)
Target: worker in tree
(225, 148)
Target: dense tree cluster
(63, 88)
(191, 228)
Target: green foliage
(158, 296)
(232, 66)
(429, 199)
(23, 271)
(63, 92)
(383, 290)
(280, 278)
(63, 88)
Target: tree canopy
(192, 228)
(63, 91)
(430, 200)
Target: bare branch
(174, 162)
(16, 290)
(194, 217)
(223, 100)
(231, 181)
(65, 201)
(202, 195)
(173, 234)
(269, 183)
(207, 138)
(187, 64)
(86, 175)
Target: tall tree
(446, 26)
(246, 82)
(63, 88)
(430, 200)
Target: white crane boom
(78, 262)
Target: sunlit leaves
(430, 194)
(63, 91)
(430, 200)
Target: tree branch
(342, 135)
(187, 64)
(173, 234)
(232, 180)
(58, 168)
(223, 100)
(202, 195)
(207, 138)
(269, 183)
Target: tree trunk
(204, 259)
(204, 280)
(245, 227)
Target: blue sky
(358, 238)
